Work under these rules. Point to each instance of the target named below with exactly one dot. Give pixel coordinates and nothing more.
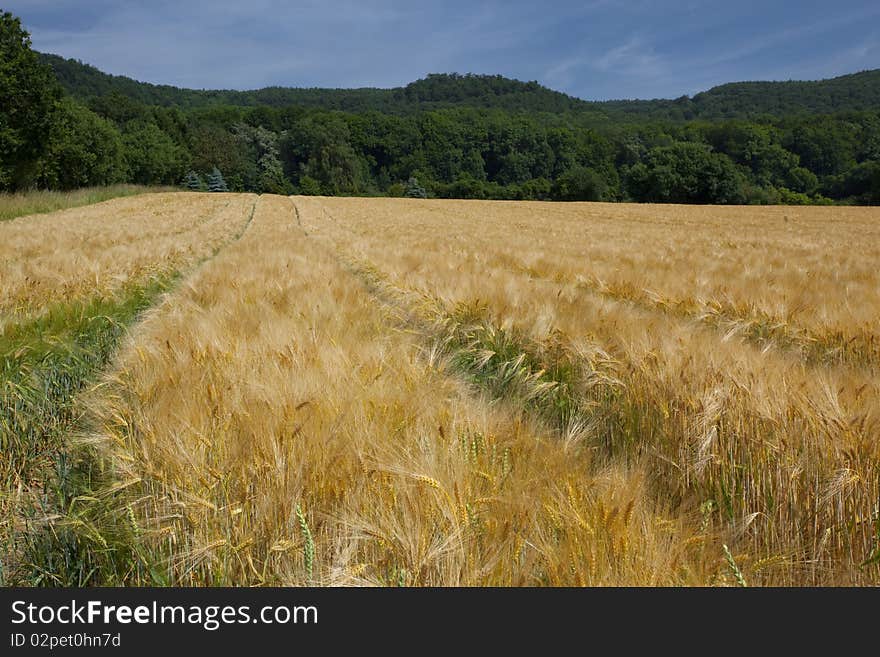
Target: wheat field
(96, 249)
(396, 392)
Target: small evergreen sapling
(414, 189)
(193, 182)
(216, 182)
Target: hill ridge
(849, 92)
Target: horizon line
(451, 73)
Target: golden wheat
(811, 269)
(783, 447)
(94, 250)
(410, 392)
(280, 430)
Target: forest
(65, 125)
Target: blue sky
(597, 49)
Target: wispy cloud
(805, 33)
(635, 56)
(598, 49)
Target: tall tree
(153, 157)
(580, 183)
(28, 93)
(319, 147)
(262, 147)
(686, 173)
(84, 150)
(212, 145)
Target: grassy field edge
(61, 527)
(17, 205)
(47, 361)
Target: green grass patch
(45, 362)
(40, 202)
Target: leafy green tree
(464, 187)
(119, 108)
(757, 148)
(563, 143)
(262, 146)
(801, 180)
(580, 183)
(860, 184)
(319, 147)
(472, 163)
(788, 197)
(395, 190)
(869, 137)
(741, 141)
(84, 150)
(826, 147)
(686, 173)
(308, 186)
(441, 145)
(28, 93)
(211, 145)
(216, 183)
(153, 157)
(537, 189)
(517, 151)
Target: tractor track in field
(39, 413)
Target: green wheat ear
(309, 547)
(133, 520)
(737, 573)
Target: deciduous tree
(28, 94)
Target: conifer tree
(193, 181)
(216, 182)
(414, 189)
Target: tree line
(737, 100)
(451, 142)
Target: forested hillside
(65, 125)
(436, 91)
(855, 92)
(749, 100)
